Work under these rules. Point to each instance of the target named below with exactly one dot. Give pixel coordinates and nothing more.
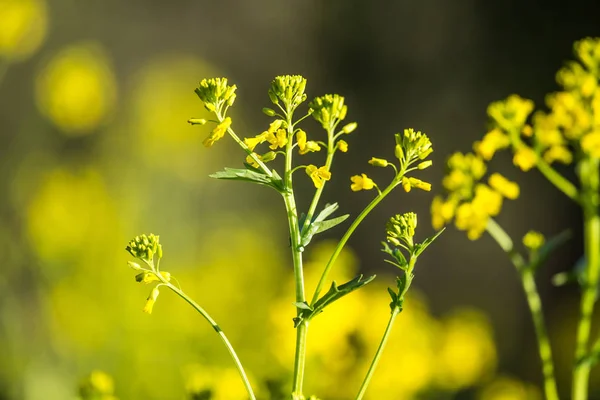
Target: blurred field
(94, 149)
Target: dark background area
(433, 65)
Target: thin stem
(221, 334)
(590, 183)
(561, 183)
(292, 215)
(348, 234)
(535, 306)
(375, 361)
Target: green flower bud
(328, 110)
(402, 228)
(196, 121)
(143, 246)
(135, 266)
(268, 111)
(398, 152)
(378, 162)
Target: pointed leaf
(420, 248)
(544, 252)
(250, 175)
(336, 292)
(303, 305)
(319, 224)
(330, 223)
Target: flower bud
(378, 162)
(425, 164)
(150, 301)
(196, 121)
(135, 266)
(349, 128)
(268, 111)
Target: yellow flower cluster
(571, 126)
(411, 147)
(470, 202)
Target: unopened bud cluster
(329, 110)
(214, 92)
(289, 89)
(145, 247)
(412, 146)
(401, 228)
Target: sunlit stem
(535, 305)
(351, 230)
(589, 176)
(395, 311)
(217, 329)
(292, 215)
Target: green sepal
(319, 224)
(251, 175)
(420, 247)
(335, 293)
(397, 255)
(537, 258)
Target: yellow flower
(77, 89)
(149, 277)
(525, 158)
(255, 141)
(151, 300)
(24, 24)
(590, 144)
(217, 133)
(533, 240)
(268, 156)
(378, 162)
(318, 175)
(310, 146)
(511, 113)
(493, 141)
(361, 182)
(278, 139)
(419, 184)
(471, 219)
(487, 200)
(506, 188)
(342, 146)
(442, 212)
(558, 153)
(456, 179)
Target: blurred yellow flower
(221, 383)
(525, 158)
(558, 153)
(505, 388)
(466, 335)
(506, 188)
(23, 27)
(76, 90)
(442, 211)
(533, 240)
(590, 144)
(342, 146)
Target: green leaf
(319, 224)
(335, 293)
(542, 254)
(303, 305)
(420, 248)
(251, 175)
(397, 255)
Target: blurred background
(95, 149)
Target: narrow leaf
(337, 292)
(423, 245)
(330, 223)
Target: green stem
(292, 215)
(375, 361)
(589, 177)
(221, 334)
(535, 306)
(561, 183)
(348, 234)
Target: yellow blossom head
(215, 92)
(24, 24)
(361, 182)
(506, 188)
(318, 175)
(329, 110)
(288, 89)
(511, 114)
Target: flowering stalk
(534, 303)
(589, 177)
